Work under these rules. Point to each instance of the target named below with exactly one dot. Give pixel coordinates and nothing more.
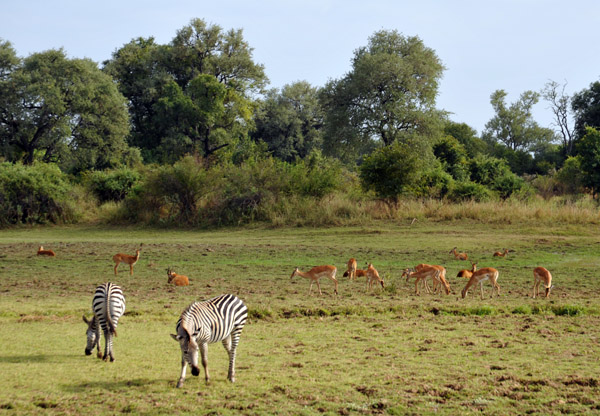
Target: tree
(154, 77)
(560, 105)
(290, 121)
(60, 110)
(391, 171)
(388, 95)
(586, 105)
(467, 136)
(588, 150)
(514, 125)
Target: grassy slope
(358, 353)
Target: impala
(441, 278)
(423, 274)
(467, 273)
(373, 277)
(127, 259)
(42, 252)
(315, 274)
(359, 273)
(457, 255)
(351, 269)
(480, 276)
(541, 275)
(177, 279)
(501, 253)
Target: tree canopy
(388, 95)
(60, 110)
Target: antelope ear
(175, 337)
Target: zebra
(202, 323)
(108, 306)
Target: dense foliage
(187, 133)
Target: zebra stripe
(202, 323)
(108, 305)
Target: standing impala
(423, 274)
(459, 256)
(351, 269)
(373, 277)
(480, 276)
(315, 274)
(541, 274)
(127, 259)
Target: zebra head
(189, 347)
(92, 338)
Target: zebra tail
(111, 325)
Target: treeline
(188, 133)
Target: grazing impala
(480, 276)
(441, 278)
(457, 255)
(501, 253)
(42, 252)
(315, 274)
(541, 275)
(351, 269)
(127, 259)
(177, 279)
(425, 272)
(373, 277)
(467, 273)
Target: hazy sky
(515, 45)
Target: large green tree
(588, 150)
(388, 95)
(586, 106)
(158, 77)
(289, 121)
(58, 109)
(513, 125)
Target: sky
(514, 45)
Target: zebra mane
(185, 322)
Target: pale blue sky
(485, 45)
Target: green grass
(378, 352)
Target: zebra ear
(85, 319)
(175, 337)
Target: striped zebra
(108, 306)
(202, 323)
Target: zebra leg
(110, 349)
(204, 354)
(107, 340)
(98, 353)
(182, 375)
(228, 347)
(235, 339)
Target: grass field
(380, 352)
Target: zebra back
(214, 319)
(108, 306)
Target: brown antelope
(423, 274)
(373, 277)
(437, 278)
(351, 266)
(541, 274)
(457, 255)
(501, 253)
(467, 273)
(42, 252)
(315, 274)
(177, 279)
(127, 259)
(359, 273)
(480, 276)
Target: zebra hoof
(179, 384)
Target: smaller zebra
(202, 323)
(108, 305)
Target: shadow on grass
(115, 386)
(37, 358)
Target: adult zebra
(202, 323)
(108, 306)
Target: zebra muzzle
(88, 352)
(195, 371)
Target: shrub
(112, 185)
(39, 193)
(465, 191)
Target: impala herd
(421, 273)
